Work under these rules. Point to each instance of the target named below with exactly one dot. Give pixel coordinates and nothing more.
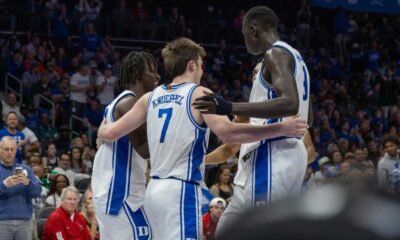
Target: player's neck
(182, 79)
(137, 89)
(269, 39)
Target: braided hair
(133, 66)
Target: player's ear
(191, 65)
(253, 29)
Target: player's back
(118, 170)
(177, 143)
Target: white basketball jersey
(118, 171)
(263, 91)
(177, 143)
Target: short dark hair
(11, 112)
(263, 16)
(133, 66)
(390, 138)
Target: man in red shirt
(210, 219)
(65, 223)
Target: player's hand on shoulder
(211, 103)
(295, 127)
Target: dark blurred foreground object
(338, 211)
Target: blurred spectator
(394, 181)
(29, 78)
(121, 20)
(320, 176)
(93, 118)
(141, 20)
(93, 9)
(57, 184)
(77, 162)
(80, 87)
(32, 144)
(303, 25)
(50, 157)
(45, 132)
(160, 27)
(388, 93)
(61, 22)
(93, 75)
(15, 64)
(40, 170)
(177, 24)
(391, 159)
(210, 220)
(89, 214)
(10, 105)
(12, 131)
(106, 86)
(341, 27)
(361, 162)
(43, 88)
(372, 57)
(65, 167)
(224, 187)
(64, 140)
(17, 188)
(90, 41)
(65, 222)
(60, 96)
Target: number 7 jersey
(177, 143)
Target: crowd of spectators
(354, 64)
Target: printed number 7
(161, 112)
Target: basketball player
(273, 169)
(118, 180)
(178, 136)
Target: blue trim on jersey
(173, 87)
(198, 210)
(189, 111)
(123, 151)
(138, 221)
(270, 171)
(181, 210)
(190, 211)
(112, 180)
(294, 57)
(119, 99)
(196, 156)
(261, 173)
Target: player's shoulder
(201, 91)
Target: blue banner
(377, 6)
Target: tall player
(118, 180)
(272, 169)
(178, 136)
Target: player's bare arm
(138, 138)
(132, 120)
(311, 152)
(279, 68)
(244, 133)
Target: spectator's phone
(18, 170)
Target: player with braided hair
(118, 180)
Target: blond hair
(178, 53)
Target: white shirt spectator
(8, 108)
(79, 81)
(54, 200)
(107, 94)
